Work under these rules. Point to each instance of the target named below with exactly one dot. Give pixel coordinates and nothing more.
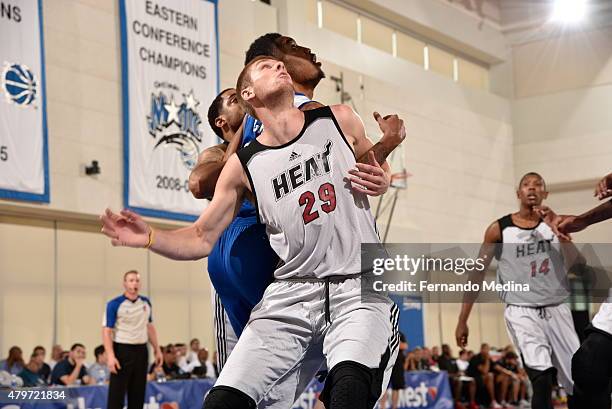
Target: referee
(127, 326)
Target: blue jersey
(241, 264)
(252, 129)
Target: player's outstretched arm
(563, 225)
(571, 224)
(486, 253)
(188, 243)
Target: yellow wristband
(151, 238)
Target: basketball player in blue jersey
(592, 363)
(240, 265)
(298, 172)
(538, 322)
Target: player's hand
(461, 334)
(604, 187)
(370, 179)
(553, 220)
(159, 359)
(113, 364)
(392, 127)
(125, 229)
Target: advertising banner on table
(424, 389)
(24, 169)
(170, 77)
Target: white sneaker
(495, 405)
(523, 404)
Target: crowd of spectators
(491, 378)
(71, 367)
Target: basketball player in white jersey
(225, 118)
(592, 363)
(539, 323)
(299, 172)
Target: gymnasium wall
(561, 115)
(56, 269)
(465, 148)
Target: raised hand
(370, 179)
(392, 127)
(604, 187)
(125, 229)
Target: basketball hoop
(398, 180)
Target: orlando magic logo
(176, 125)
(19, 84)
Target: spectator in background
(31, 372)
(201, 371)
(181, 358)
(99, 371)
(71, 371)
(45, 370)
(435, 355)
(169, 367)
(398, 377)
(426, 352)
(215, 364)
(508, 374)
(203, 358)
(481, 368)
(56, 355)
(456, 377)
(14, 363)
(192, 356)
(463, 361)
(417, 361)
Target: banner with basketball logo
(170, 77)
(24, 166)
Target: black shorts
(398, 380)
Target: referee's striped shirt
(128, 319)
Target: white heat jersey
(315, 221)
(531, 256)
(603, 319)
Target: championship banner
(24, 165)
(170, 77)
